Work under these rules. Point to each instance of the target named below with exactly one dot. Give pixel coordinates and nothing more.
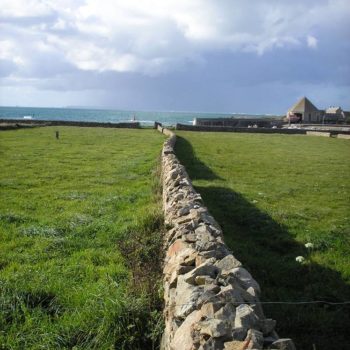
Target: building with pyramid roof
(304, 112)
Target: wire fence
(278, 302)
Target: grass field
(80, 225)
(272, 194)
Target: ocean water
(109, 115)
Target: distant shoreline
(115, 116)
(38, 122)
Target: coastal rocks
(211, 300)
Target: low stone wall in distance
(15, 126)
(295, 131)
(233, 129)
(343, 136)
(35, 122)
(318, 133)
(211, 300)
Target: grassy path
(272, 194)
(80, 221)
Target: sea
(145, 118)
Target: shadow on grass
(268, 251)
(186, 154)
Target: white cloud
(311, 42)
(60, 24)
(9, 51)
(24, 8)
(156, 36)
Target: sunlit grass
(272, 194)
(68, 209)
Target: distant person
(57, 135)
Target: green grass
(272, 194)
(80, 226)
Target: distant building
(334, 115)
(334, 111)
(304, 112)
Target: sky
(250, 56)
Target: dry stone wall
(257, 130)
(211, 300)
(318, 133)
(37, 122)
(240, 129)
